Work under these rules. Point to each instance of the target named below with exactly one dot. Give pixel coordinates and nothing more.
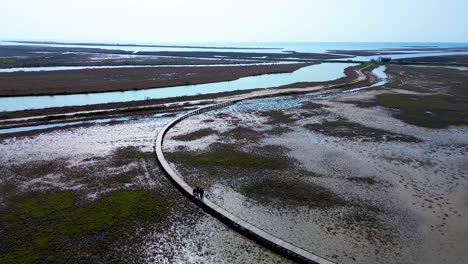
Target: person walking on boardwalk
(201, 193)
(195, 191)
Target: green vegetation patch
(242, 133)
(278, 131)
(365, 67)
(432, 111)
(45, 205)
(369, 65)
(126, 177)
(311, 106)
(196, 134)
(54, 60)
(126, 155)
(292, 191)
(278, 117)
(223, 155)
(37, 169)
(355, 131)
(7, 61)
(288, 93)
(112, 210)
(354, 82)
(43, 226)
(7, 188)
(363, 180)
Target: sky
(198, 21)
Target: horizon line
(195, 42)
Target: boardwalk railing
(276, 244)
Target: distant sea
(270, 47)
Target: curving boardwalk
(274, 243)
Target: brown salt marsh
(121, 79)
(41, 56)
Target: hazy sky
(155, 21)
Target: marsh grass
(40, 168)
(7, 188)
(126, 155)
(38, 226)
(292, 191)
(45, 205)
(432, 111)
(311, 106)
(196, 134)
(363, 180)
(224, 155)
(278, 131)
(243, 133)
(126, 176)
(356, 131)
(278, 117)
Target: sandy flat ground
(187, 235)
(403, 187)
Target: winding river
(315, 73)
(263, 103)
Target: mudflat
(108, 202)
(431, 99)
(377, 183)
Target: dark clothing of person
(198, 193)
